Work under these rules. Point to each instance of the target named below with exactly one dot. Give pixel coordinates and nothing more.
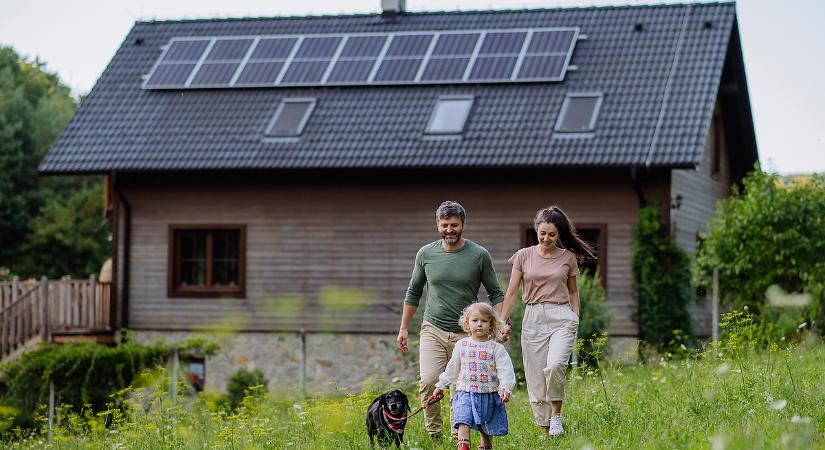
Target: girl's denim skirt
(484, 412)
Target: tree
(34, 108)
(772, 232)
(662, 273)
(69, 237)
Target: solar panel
(409, 45)
(502, 43)
(230, 49)
(445, 69)
(305, 72)
(363, 46)
(278, 48)
(185, 50)
(351, 71)
(542, 67)
(398, 70)
(259, 73)
(318, 47)
(409, 57)
(456, 44)
(493, 68)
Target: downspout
(634, 175)
(127, 222)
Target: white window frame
(447, 98)
(566, 105)
(312, 102)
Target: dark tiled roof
(659, 86)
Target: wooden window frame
(174, 290)
(601, 261)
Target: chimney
(391, 9)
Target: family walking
(461, 338)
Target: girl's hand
(436, 393)
(504, 395)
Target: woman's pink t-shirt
(545, 278)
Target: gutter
(127, 232)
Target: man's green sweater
(452, 279)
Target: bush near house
(771, 232)
(85, 376)
(662, 279)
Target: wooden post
(173, 377)
(14, 322)
(93, 292)
(51, 409)
(44, 299)
(715, 322)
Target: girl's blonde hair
(486, 310)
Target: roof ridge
(437, 12)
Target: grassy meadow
(741, 399)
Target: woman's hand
(504, 395)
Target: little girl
(483, 376)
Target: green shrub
(662, 277)
(772, 232)
(594, 315)
(85, 375)
(243, 384)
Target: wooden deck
(53, 311)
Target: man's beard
(456, 237)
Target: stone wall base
(313, 363)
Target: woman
(547, 272)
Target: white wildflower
(779, 404)
(798, 419)
(724, 367)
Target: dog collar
(396, 424)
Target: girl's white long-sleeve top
(479, 367)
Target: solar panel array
(467, 56)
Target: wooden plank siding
(329, 254)
(700, 189)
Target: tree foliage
(662, 276)
(771, 232)
(34, 108)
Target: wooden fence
(40, 308)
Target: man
(452, 269)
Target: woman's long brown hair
(567, 231)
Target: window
(450, 115)
(578, 113)
(207, 261)
(195, 372)
(593, 234)
(291, 117)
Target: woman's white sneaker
(555, 425)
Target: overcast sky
(782, 43)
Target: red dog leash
(429, 401)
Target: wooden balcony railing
(33, 308)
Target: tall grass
(741, 399)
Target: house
(276, 176)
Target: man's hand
(401, 340)
(505, 333)
(504, 395)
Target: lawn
(767, 399)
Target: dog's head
(396, 402)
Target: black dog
(387, 417)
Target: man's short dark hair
(450, 209)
